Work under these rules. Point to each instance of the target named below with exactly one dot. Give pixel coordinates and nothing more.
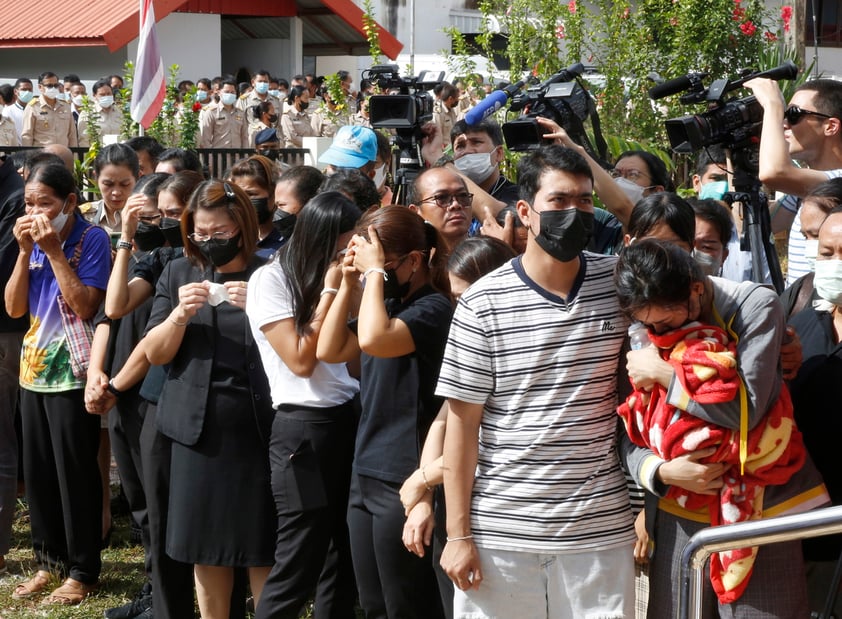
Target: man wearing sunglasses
(441, 197)
(809, 130)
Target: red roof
(114, 23)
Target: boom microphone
(491, 103)
(675, 86)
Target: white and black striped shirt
(548, 478)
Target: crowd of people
(425, 409)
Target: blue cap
(353, 146)
(264, 136)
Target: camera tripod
(757, 227)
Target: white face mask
(78, 100)
(228, 98)
(51, 93)
(811, 250)
(708, 264)
(828, 280)
(106, 102)
(631, 189)
(379, 176)
(476, 166)
(57, 222)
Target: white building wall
(189, 40)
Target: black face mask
(272, 118)
(392, 289)
(220, 252)
(565, 233)
(148, 237)
(304, 105)
(261, 205)
(284, 223)
(171, 229)
(271, 153)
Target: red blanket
(705, 363)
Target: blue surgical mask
(714, 190)
(201, 95)
(261, 88)
(25, 96)
(228, 98)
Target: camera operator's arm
(777, 170)
(609, 192)
(431, 152)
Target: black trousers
(172, 581)
(63, 486)
(310, 453)
(125, 422)
(392, 582)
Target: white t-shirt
(269, 300)
(548, 478)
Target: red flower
(738, 14)
(626, 13)
(571, 6)
(559, 31)
(786, 16)
(770, 36)
(748, 28)
(197, 107)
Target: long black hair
(305, 258)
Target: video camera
(409, 108)
(734, 123)
(562, 98)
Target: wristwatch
(112, 389)
(123, 245)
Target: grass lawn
(122, 575)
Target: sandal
(32, 587)
(70, 593)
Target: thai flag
(149, 86)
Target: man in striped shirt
(538, 517)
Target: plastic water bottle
(638, 336)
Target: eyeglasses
(46, 85)
(444, 200)
(219, 237)
(149, 218)
(794, 114)
(631, 174)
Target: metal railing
(816, 523)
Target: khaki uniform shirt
(8, 132)
(295, 126)
(221, 128)
(247, 102)
(445, 118)
(45, 124)
(110, 123)
(324, 126)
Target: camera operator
(811, 132)
(710, 182)
(496, 192)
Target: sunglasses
(794, 114)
